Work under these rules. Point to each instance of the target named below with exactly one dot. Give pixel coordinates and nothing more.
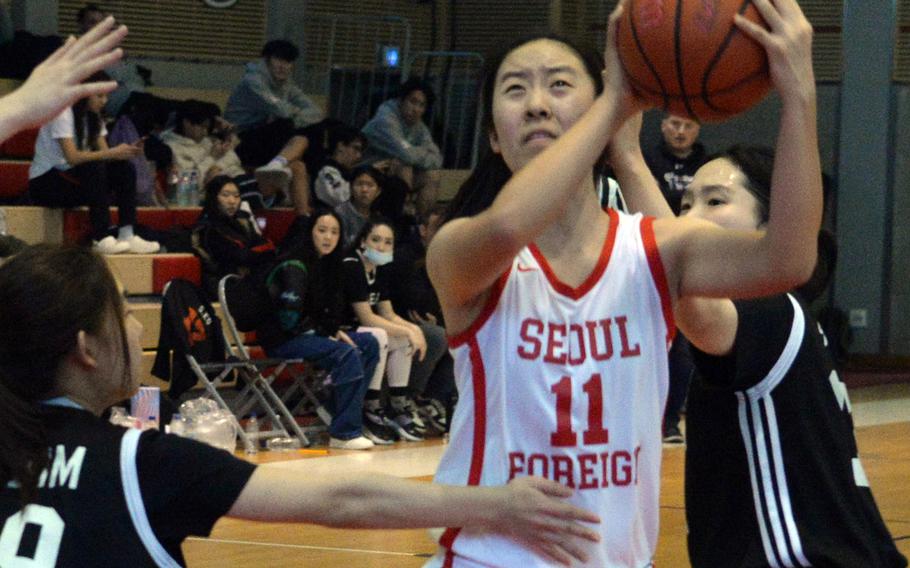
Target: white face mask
(376, 257)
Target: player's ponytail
(48, 293)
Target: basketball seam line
(677, 50)
(663, 91)
(716, 59)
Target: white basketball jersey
(568, 384)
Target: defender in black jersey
(773, 475)
(78, 491)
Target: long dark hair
(48, 293)
(210, 207)
(305, 250)
(491, 173)
(88, 123)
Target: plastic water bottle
(193, 190)
(252, 432)
(187, 189)
(176, 426)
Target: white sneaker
(110, 245)
(138, 245)
(274, 174)
(358, 443)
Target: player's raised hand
(788, 43)
(57, 82)
(537, 515)
(615, 80)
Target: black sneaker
(433, 413)
(376, 429)
(672, 435)
(411, 408)
(403, 423)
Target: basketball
(689, 57)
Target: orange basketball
(689, 58)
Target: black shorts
(260, 144)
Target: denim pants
(350, 369)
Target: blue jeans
(350, 369)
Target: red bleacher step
(148, 273)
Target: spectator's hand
(535, 514)
(57, 82)
(426, 318)
(418, 343)
(342, 336)
(125, 151)
(213, 171)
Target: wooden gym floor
(882, 416)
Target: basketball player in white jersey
(560, 314)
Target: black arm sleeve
(187, 485)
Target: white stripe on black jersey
(758, 426)
(129, 476)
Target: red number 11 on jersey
(565, 436)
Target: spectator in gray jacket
(397, 132)
(271, 114)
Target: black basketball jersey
(116, 497)
(773, 477)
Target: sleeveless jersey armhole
(659, 275)
(488, 308)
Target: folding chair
(304, 380)
(198, 341)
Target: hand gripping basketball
(690, 58)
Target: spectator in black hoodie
(674, 160)
(226, 238)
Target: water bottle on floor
(252, 432)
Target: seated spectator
(397, 133)
(271, 113)
(226, 240)
(432, 381)
(356, 211)
(74, 166)
(196, 149)
(367, 292)
(306, 291)
(332, 185)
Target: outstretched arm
(530, 510)
(704, 260)
(57, 82)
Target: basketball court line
(308, 547)
(420, 461)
